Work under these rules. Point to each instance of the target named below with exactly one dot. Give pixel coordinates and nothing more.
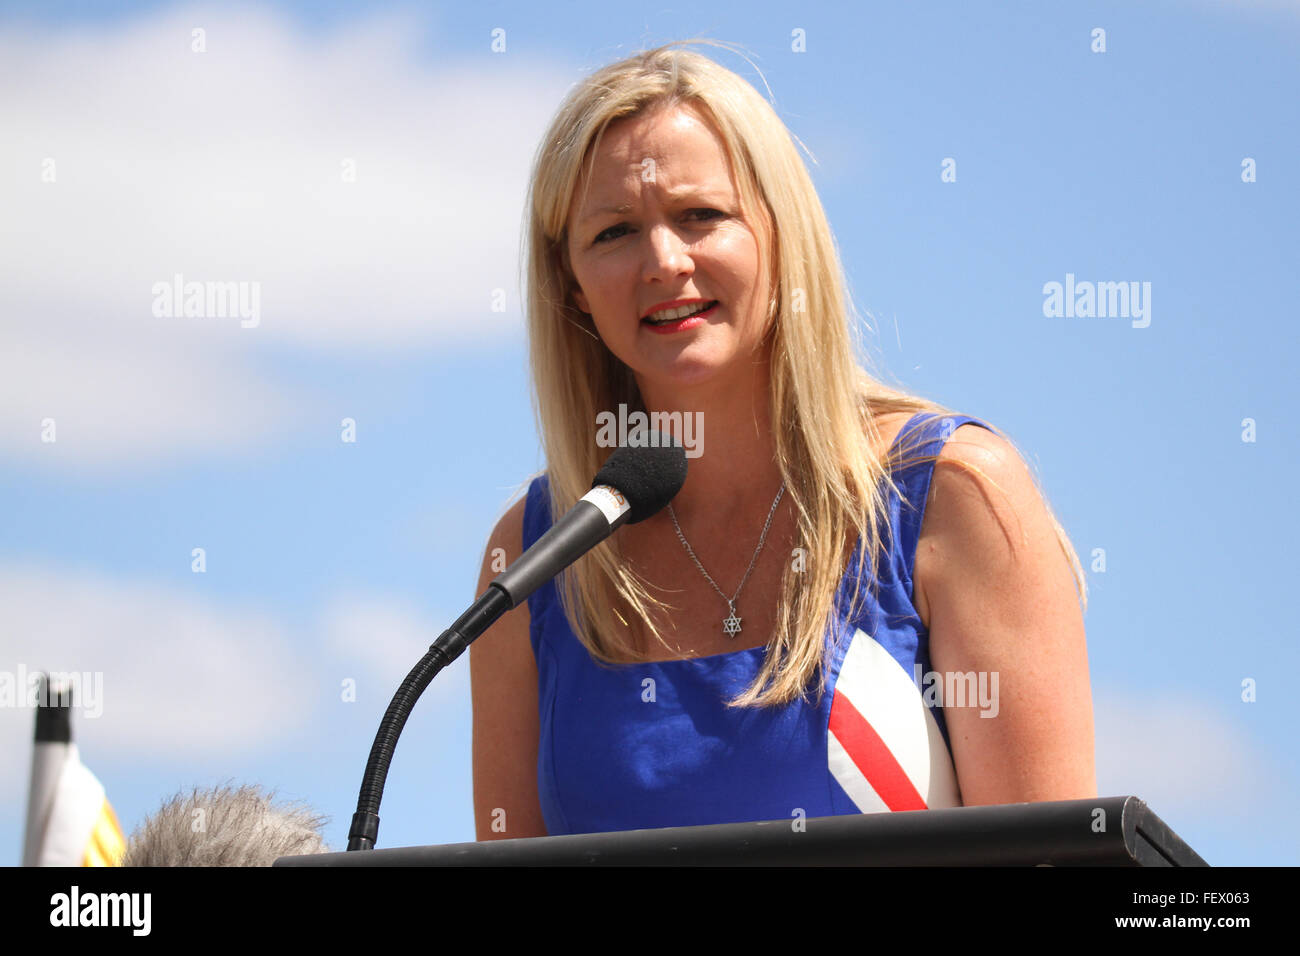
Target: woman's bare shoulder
(888, 425)
(984, 509)
(508, 534)
(503, 695)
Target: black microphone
(636, 482)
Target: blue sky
(328, 561)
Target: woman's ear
(581, 299)
(578, 297)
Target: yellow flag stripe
(106, 844)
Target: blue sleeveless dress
(643, 745)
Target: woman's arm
(1001, 600)
(503, 686)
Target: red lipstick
(682, 324)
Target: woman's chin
(690, 368)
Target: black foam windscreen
(649, 473)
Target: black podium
(1109, 831)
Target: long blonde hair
(825, 402)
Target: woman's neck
(735, 475)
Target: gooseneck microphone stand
(634, 483)
(449, 645)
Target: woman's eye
(611, 232)
(606, 234)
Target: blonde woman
(858, 602)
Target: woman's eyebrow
(674, 195)
(621, 209)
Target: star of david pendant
(731, 623)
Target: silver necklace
(730, 623)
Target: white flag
(70, 823)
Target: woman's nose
(667, 256)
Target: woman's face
(661, 222)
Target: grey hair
(225, 826)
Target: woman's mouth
(681, 322)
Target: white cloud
(116, 403)
(1185, 758)
(380, 638)
(181, 676)
(226, 166)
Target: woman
(859, 601)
